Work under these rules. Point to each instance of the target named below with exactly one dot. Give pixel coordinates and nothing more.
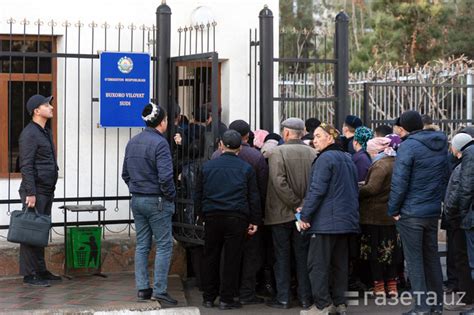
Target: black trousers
(252, 259)
(450, 260)
(222, 233)
(461, 262)
(328, 268)
(32, 257)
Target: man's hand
(304, 225)
(396, 217)
(178, 139)
(252, 229)
(30, 201)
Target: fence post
(366, 109)
(469, 97)
(163, 51)
(266, 68)
(341, 71)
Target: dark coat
(420, 175)
(227, 185)
(260, 166)
(373, 195)
(331, 203)
(451, 200)
(37, 162)
(147, 166)
(362, 162)
(466, 185)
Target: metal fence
(61, 59)
(444, 93)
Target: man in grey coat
(289, 172)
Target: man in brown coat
(290, 169)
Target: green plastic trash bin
(84, 244)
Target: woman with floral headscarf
(380, 243)
(361, 158)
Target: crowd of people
(302, 217)
(311, 213)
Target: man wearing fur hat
(39, 174)
(148, 173)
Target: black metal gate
(194, 92)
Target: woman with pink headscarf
(380, 243)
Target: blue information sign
(124, 88)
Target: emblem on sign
(125, 65)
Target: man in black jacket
(39, 173)
(454, 218)
(230, 204)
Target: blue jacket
(420, 175)
(331, 203)
(228, 185)
(147, 166)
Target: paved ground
(117, 291)
(194, 298)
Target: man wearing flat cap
(39, 174)
(351, 123)
(290, 168)
(227, 200)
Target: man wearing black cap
(351, 123)
(252, 257)
(148, 173)
(39, 173)
(230, 205)
(418, 184)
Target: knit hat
(411, 121)
(395, 140)
(240, 126)
(378, 144)
(460, 140)
(333, 132)
(353, 121)
(362, 135)
(259, 140)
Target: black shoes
(306, 304)
(254, 300)
(164, 298)
(47, 275)
(35, 281)
(229, 306)
(144, 295)
(208, 304)
(277, 304)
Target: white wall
(234, 19)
